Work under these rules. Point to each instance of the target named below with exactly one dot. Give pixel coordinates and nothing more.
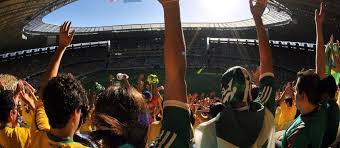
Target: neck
(9, 124)
(63, 133)
(308, 109)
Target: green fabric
(331, 50)
(307, 130)
(266, 94)
(176, 124)
(59, 140)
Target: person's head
(8, 82)
(236, 87)
(125, 107)
(310, 90)
(65, 102)
(8, 108)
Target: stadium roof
(23, 16)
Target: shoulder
(74, 145)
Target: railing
(280, 44)
(44, 50)
(36, 51)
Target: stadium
(27, 43)
(231, 43)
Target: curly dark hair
(6, 105)
(116, 116)
(62, 96)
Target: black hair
(315, 89)
(116, 116)
(62, 96)
(6, 105)
(215, 109)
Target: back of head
(8, 82)
(6, 106)
(328, 87)
(124, 106)
(236, 86)
(315, 89)
(62, 96)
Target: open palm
(65, 35)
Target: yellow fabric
(18, 137)
(338, 98)
(277, 116)
(41, 119)
(28, 117)
(87, 126)
(41, 140)
(153, 131)
(285, 115)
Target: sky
(90, 13)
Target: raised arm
(174, 53)
(65, 39)
(176, 119)
(265, 51)
(320, 58)
(266, 78)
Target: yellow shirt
(153, 131)
(87, 126)
(285, 116)
(42, 139)
(28, 117)
(42, 119)
(18, 137)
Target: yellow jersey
(42, 139)
(18, 137)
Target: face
(14, 114)
(298, 96)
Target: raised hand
(259, 7)
(320, 15)
(26, 93)
(65, 35)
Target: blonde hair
(8, 82)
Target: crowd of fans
(249, 113)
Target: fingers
(61, 27)
(322, 8)
(65, 27)
(68, 25)
(29, 86)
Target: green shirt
(176, 129)
(307, 130)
